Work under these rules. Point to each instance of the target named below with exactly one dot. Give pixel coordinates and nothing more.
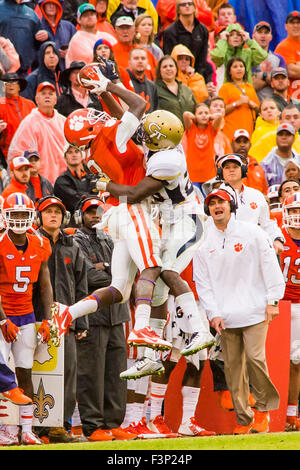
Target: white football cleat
(7, 440)
(192, 428)
(143, 367)
(30, 439)
(198, 342)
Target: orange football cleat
(241, 429)
(16, 396)
(101, 435)
(121, 435)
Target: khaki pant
(244, 361)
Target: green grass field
(272, 441)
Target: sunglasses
(186, 4)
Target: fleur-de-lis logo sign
(154, 130)
(42, 401)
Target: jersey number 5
(22, 281)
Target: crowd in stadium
(233, 98)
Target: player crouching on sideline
(241, 307)
(23, 262)
(177, 250)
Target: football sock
(84, 307)
(142, 316)
(190, 396)
(26, 417)
(157, 396)
(192, 316)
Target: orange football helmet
(18, 203)
(83, 125)
(291, 202)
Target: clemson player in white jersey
(290, 260)
(180, 248)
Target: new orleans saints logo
(42, 400)
(154, 131)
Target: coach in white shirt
(239, 283)
(251, 203)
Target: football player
(115, 141)
(290, 258)
(23, 262)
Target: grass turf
(271, 441)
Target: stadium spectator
(243, 336)
(291, 171)
(9, 58)
(20, 176)
(255, 177)
(74, 96)
(144, 35)
(267, 119)
(82, 43)
(280, 85)
(13, 108)
(135, 79)
(125, 32)
(22, 27)
(38, 185)
(240, 99)
(127, 8)
(261, 74)
(222, 144)
(187, 30)
(42, 130)
(200, 131)
(74, 183)
(168, 13)
(173, 95)
(289, 49)
(47, 71)
(102, 23)
(187, 74)
(273, 164)
(291, 115)
(101, 393)
(70, 9)
(68, 274)
(235, 42)
(149, 6)
(60, 31)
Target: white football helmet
(273, 197)
(18, 203)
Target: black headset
(38, 215)
(78, 214)
(233, 204)
(244, 167)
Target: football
(88, 72)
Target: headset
(233, 204)
(244, 167)
(78, 214)
(38, 217)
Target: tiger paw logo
(238, 247)
(253, 205)
(76, 123)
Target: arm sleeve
(127, 127)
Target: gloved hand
(102, 183)
(108, 68)
(99, 85)
(9, 330)
(43, 333)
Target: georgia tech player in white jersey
(182, 218)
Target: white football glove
(99, 86)
(102, 183)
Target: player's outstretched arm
(147, 187)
